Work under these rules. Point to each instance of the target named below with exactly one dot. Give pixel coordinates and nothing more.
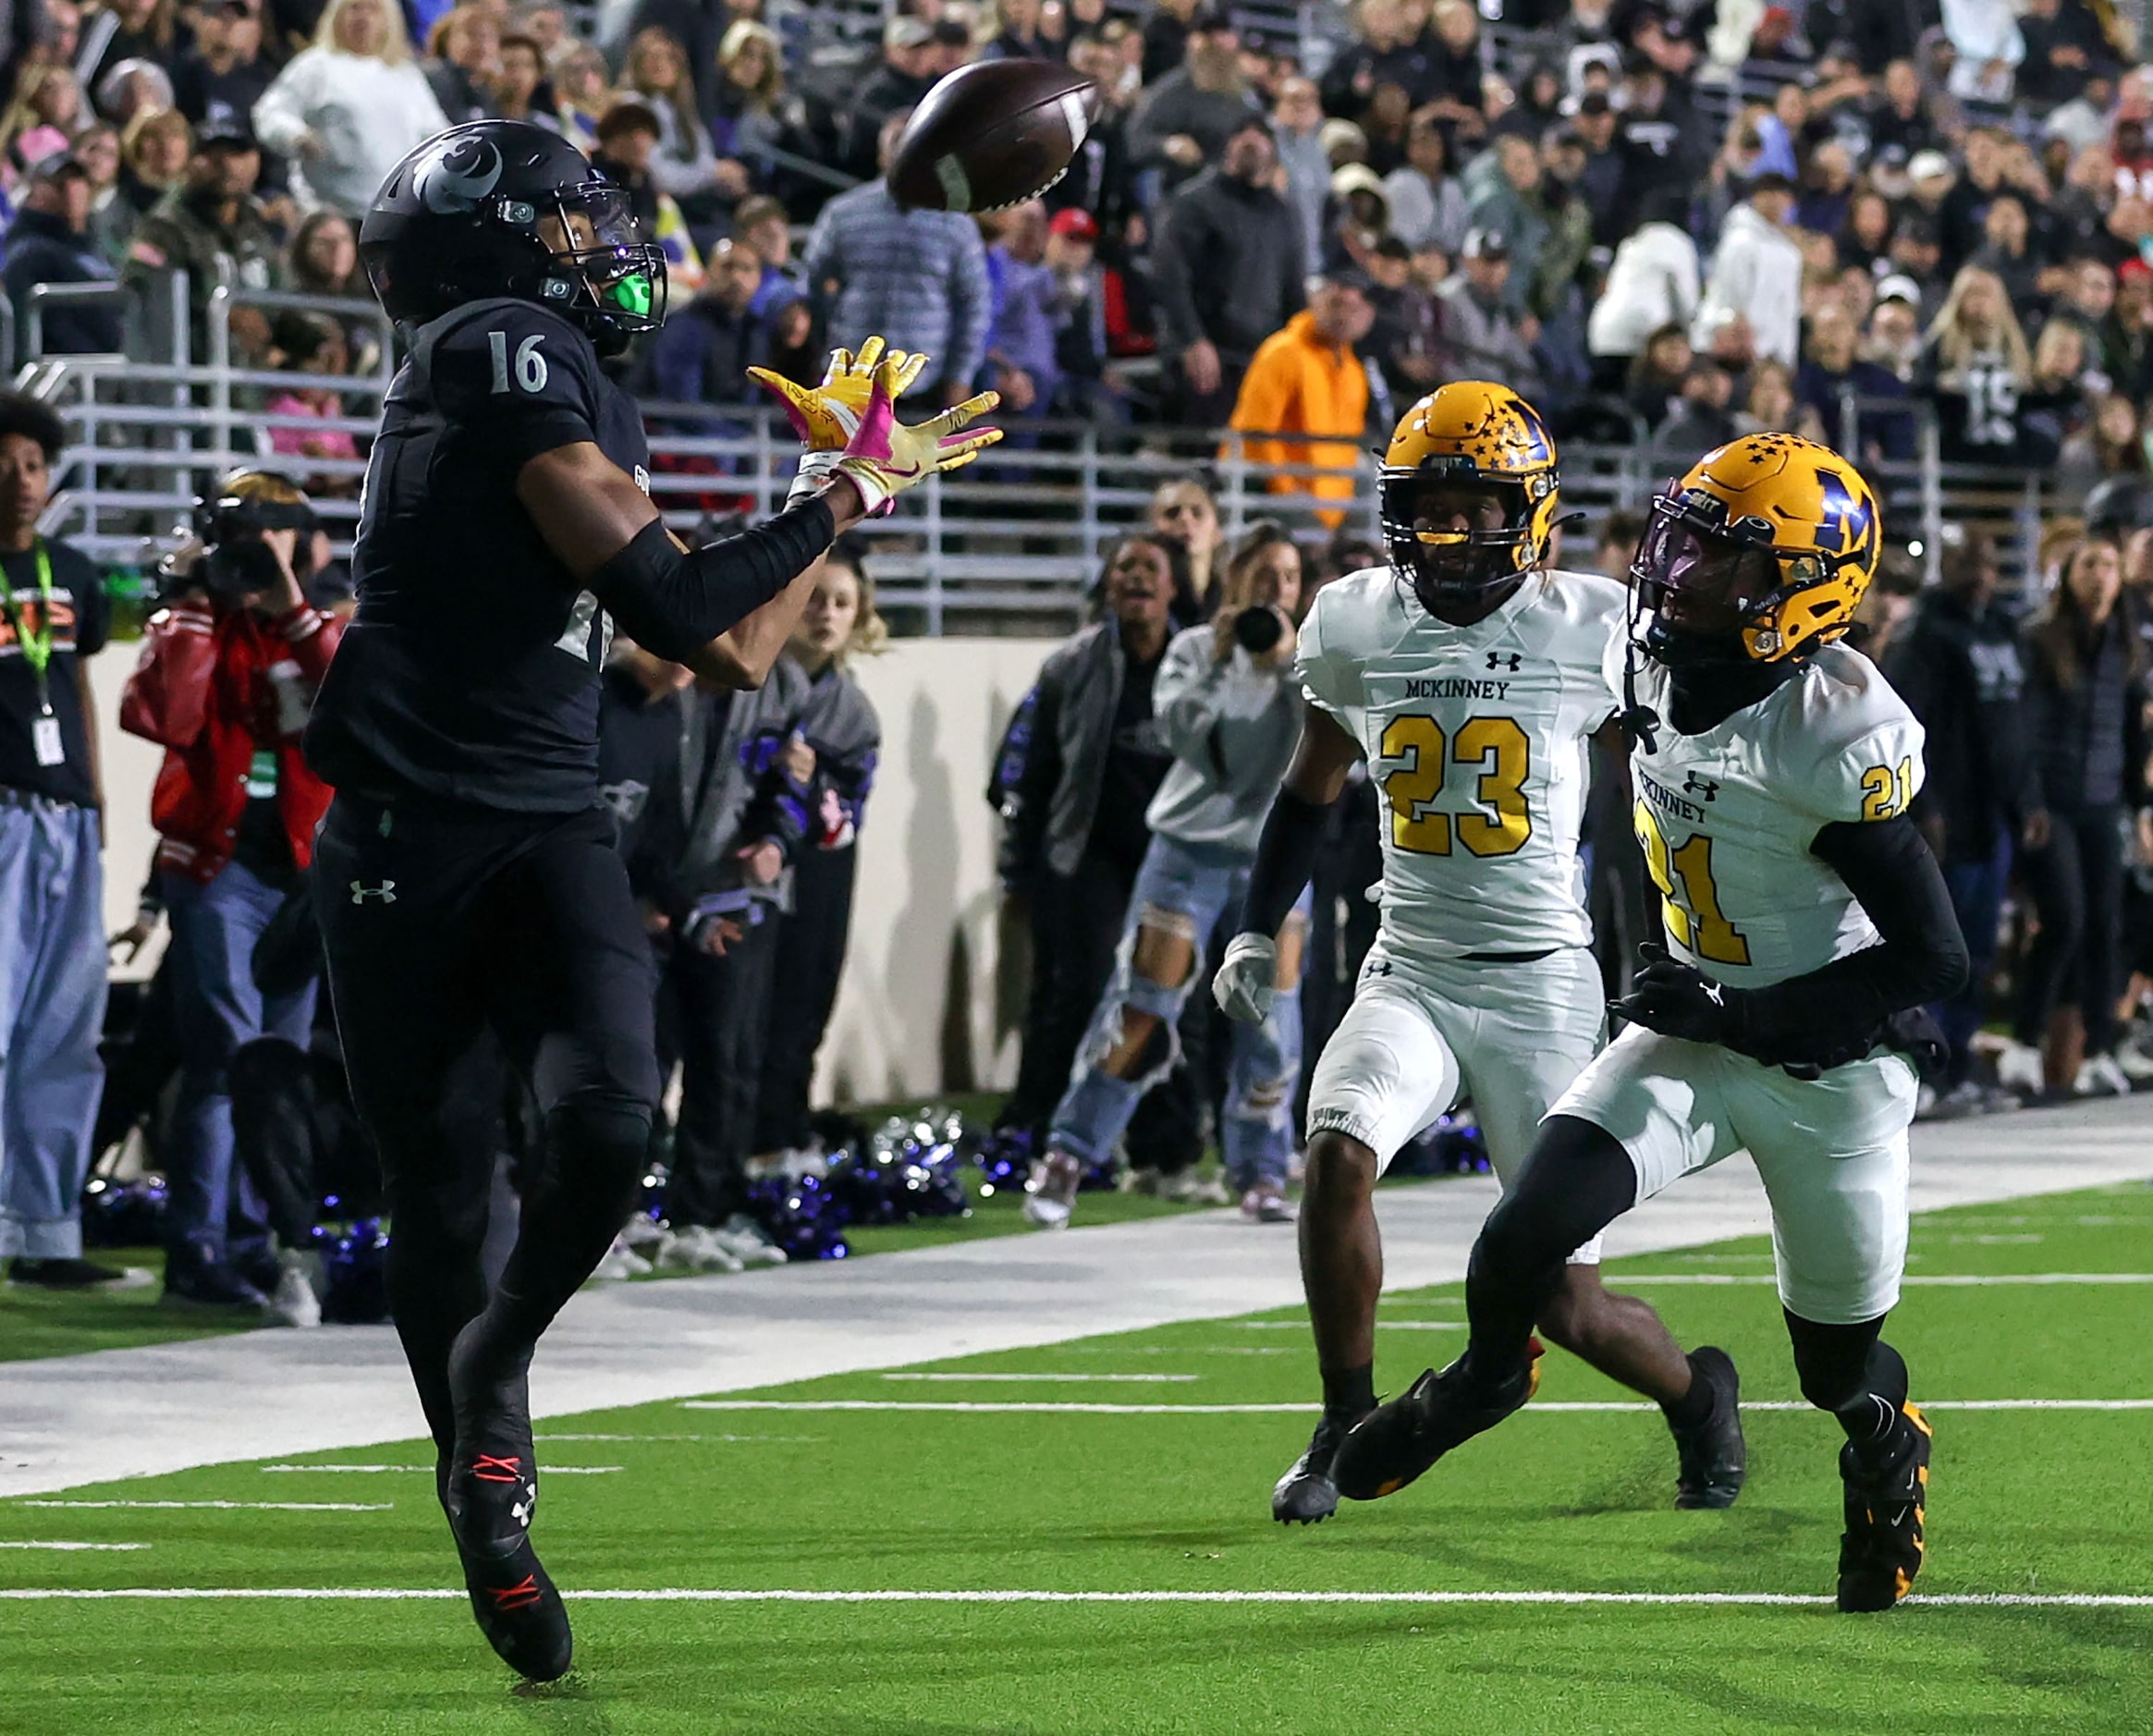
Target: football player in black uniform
(465, 873)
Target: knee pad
(598, 1147)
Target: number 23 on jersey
(1498, 824)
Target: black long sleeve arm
(1838, 1012)
(674, 604)
(1285, 860)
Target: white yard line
(66, 1421)
(1079, 1408)
(233, 1507)
(1770, 1600)
(71, 1547)
(1145, 1380)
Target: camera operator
(229, 672)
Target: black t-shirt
(81, 618)
(470, 671)
(1137, 759)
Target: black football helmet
(505, 208)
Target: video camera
(236, 567)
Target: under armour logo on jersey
(1504, 660)
(385, 892)
(1695, 785)
(1377, 967)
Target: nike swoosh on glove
(884, 457)
(1247, 980)
(826, 417)
(1678, 1000)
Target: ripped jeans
(1181, 893)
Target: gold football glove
(884, 457)
(825, 416)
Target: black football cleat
(1305, 1495)
(1712, 1456)
(1395, 1442)
(1887, 1496)
(489, 1504)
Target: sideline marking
(1302, 1410)
(1381, 1325)
(551, 1471)
(789, 1440)
(1145, 1380)
(250, 1507)
(74, 1545)
(1947, 1281)
(1963, 1600)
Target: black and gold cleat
(1712, 1455)
(1887, 1497)
(1305, 1495)
(1395, 1442)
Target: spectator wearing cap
(1081, 338)
(52, 935)
(904, 76)
(349, 109)
(1600, 182)
(629, 132)
(1427, 206)
(1481, 337)
(1502, 189)
(1357, 216)
(212, 227)
(1186, 119)
(1656, 281)
(1297, 133)
(1227, 271)
(917, 278)
(49, 242)
(1755, 280)
(1307, 380)
(1893, 336)
(1404, 342)
(222, 76)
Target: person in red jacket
(229, 672)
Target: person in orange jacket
(227, 675)
(1307, 380)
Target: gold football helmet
(1763, 551)
(1478, 451)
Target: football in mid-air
(992, 134)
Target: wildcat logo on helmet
(460, 177)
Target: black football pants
(723, 1007)
(444, 931)
(810, 959)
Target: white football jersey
(1726, 818)
(1478, 738)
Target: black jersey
(470, 671)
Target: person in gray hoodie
(1226, 699)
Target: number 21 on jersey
(1687, 896)
(1495, 745)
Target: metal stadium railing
(1011, 543)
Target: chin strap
(1639, 722)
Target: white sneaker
(2136, 1062)
(2101, 1077)
(1966, 1098)
(640, 1232)
(1050, 1194)
(1191, 1188)
(297, 1302)
(696, 1249)
(2018, 1068)
(748, 1241)
(621, 1261)
(1266, 1204)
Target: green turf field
(768, 1494)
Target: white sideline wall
(916, 1011)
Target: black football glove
(1679, 1000)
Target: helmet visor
(593, 229)
(1696, 580)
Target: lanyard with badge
(37, 651)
